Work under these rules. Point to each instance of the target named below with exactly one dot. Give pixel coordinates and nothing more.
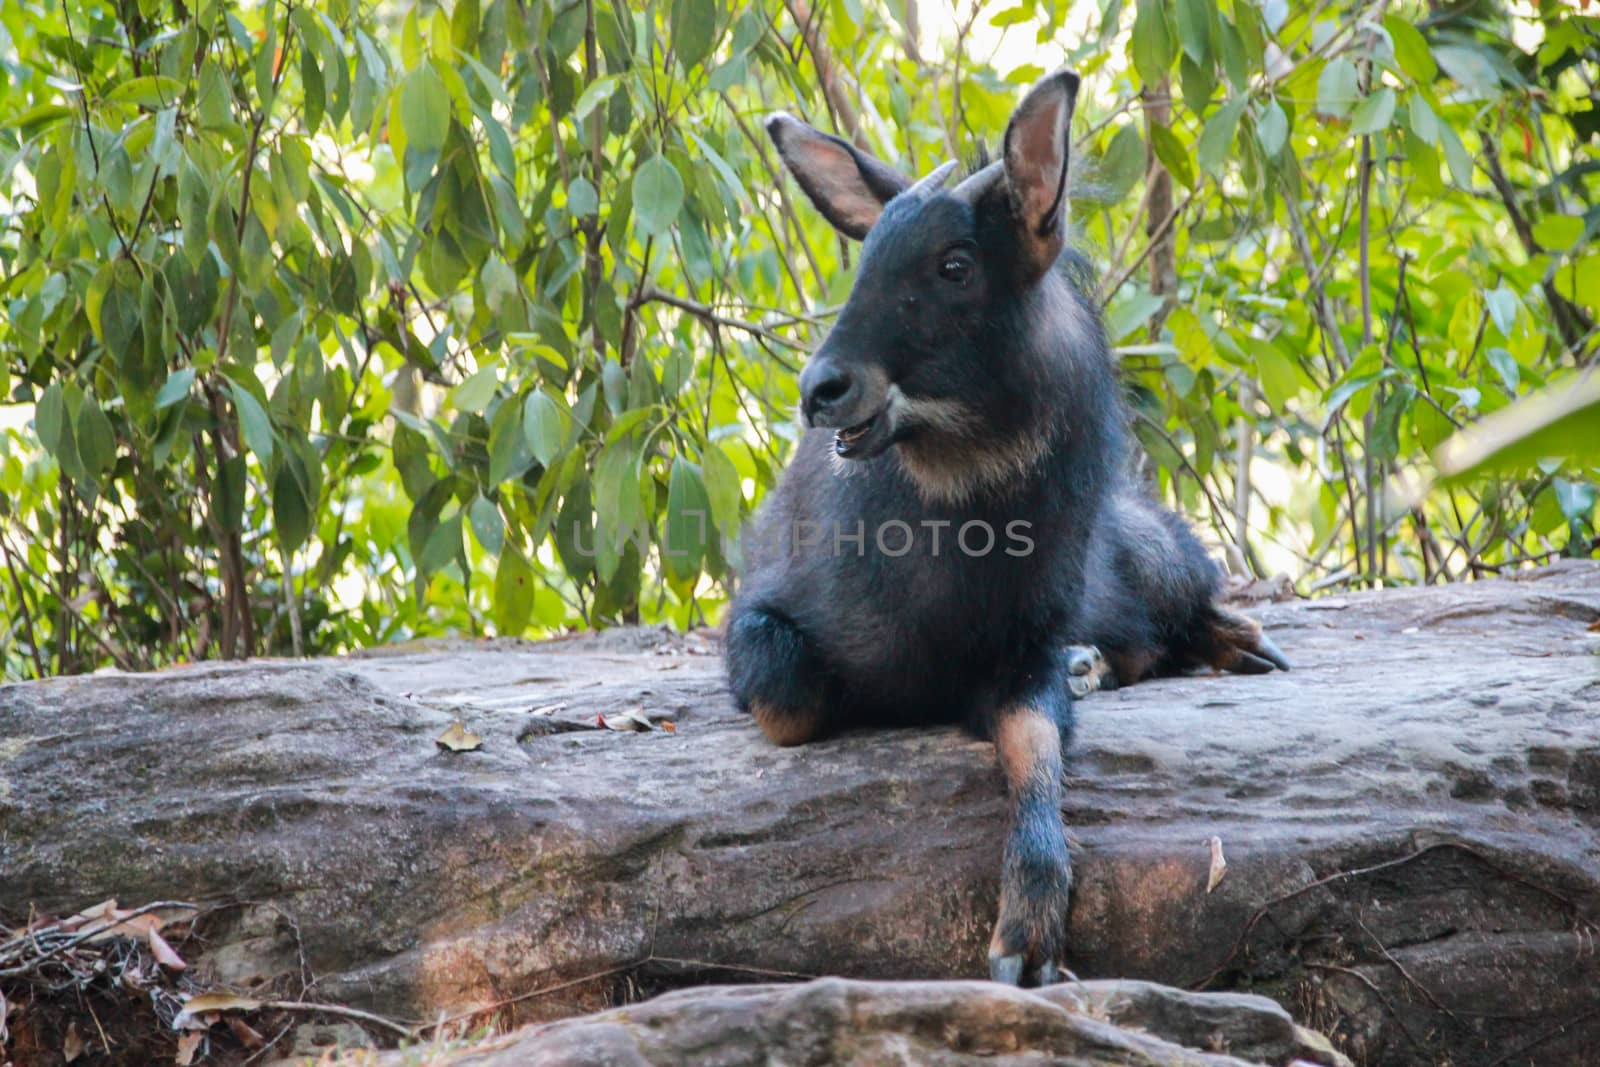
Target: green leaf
(175, 389)
(1373, 113)
(1272, 129)
(582, 200)
(254, 424)
(1194, 23)
(1470, 65)
(215, 99)
(487, 525)
(1217, 137)
(1123, 164)
(1455, 156)
(1502, 304)
(50, 418)
(1337, 87)
(474, 394)
(425, 109)
(544, 426)
(152, 90)
(657, 196)
(1557, 421)
(723, 489)
(500, 284)
(1411, 49)
(509, 455)
(1424, 123)
(443, 546)
(1151, 42)
(513, 594)
(1173, 155)
(1558, 232)
(688, 520)
(1280, 380)
(1505, 365)
(96, 438)
(597, 92)
(291, 511)
(694, 29)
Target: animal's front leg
(1036, 874)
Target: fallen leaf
(670, 727)
(1594, 627)
(204, 1003)
(459, 739)
(188, 1045)
(668, 666)
(632, 719)
(1219, 866)
(72, 1047)
(136, 926)
(106, 909)
(164, 953)
(247, 1035)
(548, 709)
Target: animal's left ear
(1035, 163)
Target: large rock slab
(833, 1022)
(1409, 820)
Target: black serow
(968, 381)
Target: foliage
(329, 324)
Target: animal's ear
(849, 187)
(1035, 163)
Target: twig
(344, 1012)
(1358, 872)
(1383, 997)
(81, 936)
(650, 294)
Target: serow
(960, 528)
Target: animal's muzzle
(829, 393)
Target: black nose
(825, 389)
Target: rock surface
(1410, 819)
(834, 1022)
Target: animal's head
(924, 353)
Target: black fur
(827, 634)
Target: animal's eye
(955, 268)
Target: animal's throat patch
(955, 468)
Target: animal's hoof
(1007, 969)
(1242, 647)
(1011, 970)
(1087, 670)
(1271, 652)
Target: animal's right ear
(849, 187)
(1035, 163)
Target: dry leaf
(548, 709)
(1219, 866)
(72, 1047)
(164, 953)
(669, 726)
(188, 1045)
(1594, 627)
(247, 1035)
(632, 719)
(106, 909)
(459, 739)
(206, 1003)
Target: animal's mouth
(865, 439)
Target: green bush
(331, 323)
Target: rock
(1411, 821)
(834, 1022)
